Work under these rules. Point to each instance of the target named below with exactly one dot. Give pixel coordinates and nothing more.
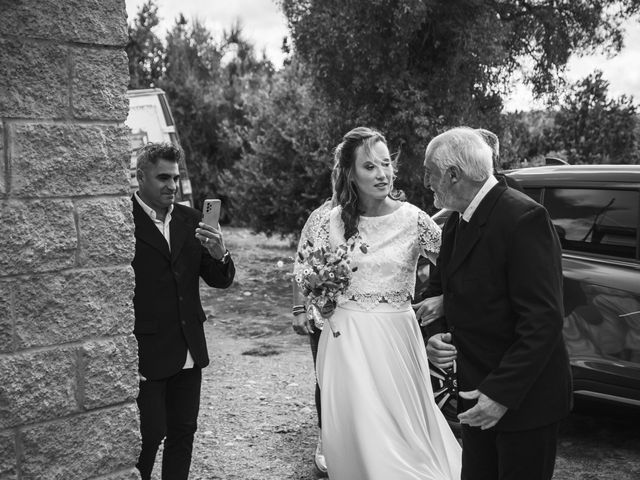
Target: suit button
(452, 328)
(183, 322)
(181, 298)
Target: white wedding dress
(379, 418)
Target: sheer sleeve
(429, 236)
(315, 230)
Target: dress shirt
(471, 208)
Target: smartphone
(211, 212)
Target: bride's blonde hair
(344, 187)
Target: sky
(265, 25)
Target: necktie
(459, 229)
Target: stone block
(87, 21)
(37, 236)
(34, 79)
(70, 306)
(69, 160)
(110, 371)
(3, 163)
(83, 446)
(8, 455)
(99, 84)
(6, 318)
(106, 222)
(37, 386)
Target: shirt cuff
(225, 258)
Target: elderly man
(501, 279)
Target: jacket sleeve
(534, 278)
(214, 272)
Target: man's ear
(139, 174)
(454, 174)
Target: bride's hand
(429, 310)
(301, 324)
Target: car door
(598, 229)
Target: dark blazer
(168, 313)
(503, 305)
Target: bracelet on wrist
(298, 310)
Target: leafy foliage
(144, 49)
(588, 127)
(592, 128)
(526, 136)
(285, 173)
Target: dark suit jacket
(503, 305)
(168, 313)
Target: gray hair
(464, 148)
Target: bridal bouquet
(325, 275)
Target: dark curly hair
(152, 152)
(344, 187)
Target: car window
(597, 221)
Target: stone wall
(68, 362)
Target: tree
(526, 136)
(144, 49)
(592, 128)
(285, 173)
(414, 67)
(207, 84)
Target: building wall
(68, 361)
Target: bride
(379, 418)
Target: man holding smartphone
(174, 249)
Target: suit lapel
(179, 229)
(146, 231)
(470, 235)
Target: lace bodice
(386, 273)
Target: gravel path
(257, 418)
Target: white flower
(280, 264)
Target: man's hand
(440, 351)
(211, 238)
(301, 324)
(485, 414)
(429, 310)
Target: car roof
(577, 175)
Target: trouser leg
(183, 404)
(528, 455)
(479, 454)
(520, 455)
(151, 404)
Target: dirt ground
(257, 419)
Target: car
(596, 212)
